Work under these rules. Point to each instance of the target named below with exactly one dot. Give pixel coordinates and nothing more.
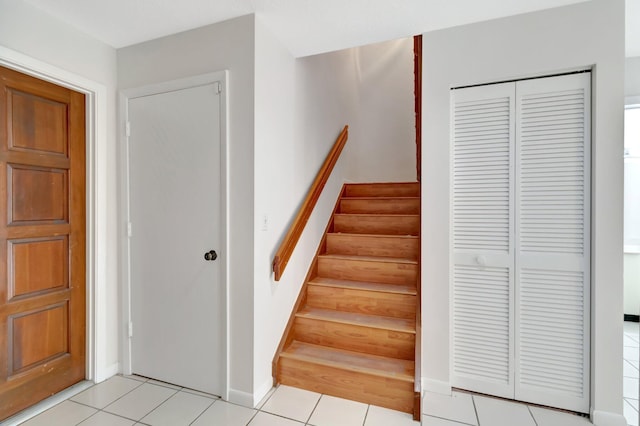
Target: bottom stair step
(386, 382)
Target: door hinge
(129, 231)
(218, 87)
(127, 128)
(130, 329)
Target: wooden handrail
(285, 250)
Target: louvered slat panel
(551, 357)
(481, 324)
(481, 174)
(551, 124)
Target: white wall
(578, 36)
(40, 37)
(300, 108)
(632, 78)
(227, 45)
(383, 146)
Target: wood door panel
(42, 240)
(36, 194)
(27, 114)
(37, 265)
(38, 336)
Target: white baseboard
(262, 391)
(241, 398)
(436, 386)
(249, 400)
(110, 371)
(606, 418)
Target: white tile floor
(132, 400)
(462, 409)
(631, 357)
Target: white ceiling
(306, 27)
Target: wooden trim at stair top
(372, 321)
(417, 89)
(290, 240)
(391, 368)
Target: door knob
(211, 255)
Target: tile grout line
(312, 411)
(447, 419)
(255, 414)
(631, 405)
(203, 411)
(532, 416)
(112, 402)
(631, 364)
(475, 409)
(168, 398)
(364, 421)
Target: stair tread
(363, 285)
(394, 215)
(351, 234)
(385, 197)
(363, 320)
(369, 258)
(408, 183)
(355, 361)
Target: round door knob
(481, 260)
(211, 255)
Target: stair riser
(372, 206)
(383, 190)
(403, 247)
(358, 270)
(369, 389)
(374, 341)
(402, 225)
(362, 301)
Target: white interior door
(177, 297)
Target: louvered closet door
(483, 296)
(552, 241)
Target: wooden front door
(42, 240)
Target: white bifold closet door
(521, 220)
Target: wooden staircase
(354, 327)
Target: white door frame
(96, 109)
(125, 255)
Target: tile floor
(631, 357)
(464, 409)
(133, 400)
